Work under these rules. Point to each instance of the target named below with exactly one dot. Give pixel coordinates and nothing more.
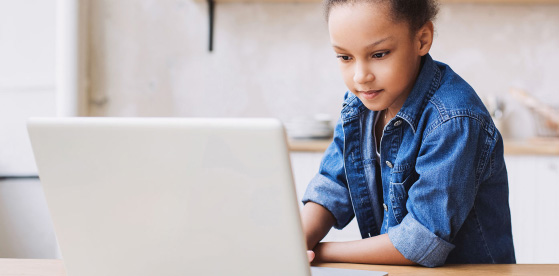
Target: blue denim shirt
(440, 190)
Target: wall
(150, 58)
(496, 47)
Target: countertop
(533, 146)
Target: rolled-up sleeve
(329, 187)
(450, 163)
(419, 244)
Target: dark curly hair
(415, 12)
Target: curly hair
(415, 12)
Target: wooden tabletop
(459, 270)
(31, 267)
(45, 267)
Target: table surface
(459, 270)
(47, 267)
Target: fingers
(310, 255)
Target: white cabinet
(534, 191)
(305, 166)
(27, 78)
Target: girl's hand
(310, 255)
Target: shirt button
(385, 207)
(389, 164)
(397, 123)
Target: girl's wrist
(322, 252)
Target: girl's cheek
(347, 73)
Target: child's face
(379, 58)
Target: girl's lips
(370, 94)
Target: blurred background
(269, 59)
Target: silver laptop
(172, 196)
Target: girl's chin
(373, 107)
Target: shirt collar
(427, 83)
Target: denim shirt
(440, 190)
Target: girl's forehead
(372, 8)
(361, 23)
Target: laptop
(172, 196)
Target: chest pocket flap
(400, 184)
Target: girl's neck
(388, 114)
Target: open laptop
(172, 196)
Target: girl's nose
(362, 73)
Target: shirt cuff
(332, 196)
(418, 244)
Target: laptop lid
(170, 196)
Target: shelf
(535, 146)
(211, 7)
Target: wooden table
(459, 270)
(31, 267)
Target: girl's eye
(380, 55)
(343, 58)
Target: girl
(416, 157)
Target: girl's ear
(424, 37)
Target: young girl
(416, 157)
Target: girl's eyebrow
(379, 42)
(369, 46)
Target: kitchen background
(151, 58)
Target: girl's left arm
(374, 250)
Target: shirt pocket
(398, 194)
